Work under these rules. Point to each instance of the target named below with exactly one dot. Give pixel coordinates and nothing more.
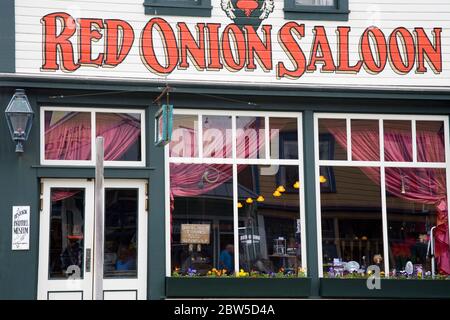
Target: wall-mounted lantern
(19, 116)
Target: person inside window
(226, 258)
(126, 260)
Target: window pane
(122, 134)
(314, 2)
(121, 235)
(430, 141)
(397, 140)
(184, 136)
(202, 218)
(332, 139)
(351, 219)
(66, 233)
(250, 137)
(269, 222)
(283, 138)
(365, 140)
(216, 136)
(67, 135)
(416, 201)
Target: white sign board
(21, 228)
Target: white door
(67, 237)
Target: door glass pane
(66, 233)
(121, 235)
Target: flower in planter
(191, 272)
(242, 273)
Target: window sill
(185, 10)
(179, 287)
(390, 288)
(311, 14)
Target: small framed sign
(20, 228)
(163, 125)
(195, 233)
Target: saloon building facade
(309, 148)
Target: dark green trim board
(189, 8)
(18, 186)
(338, 12)
(390, 288)
(156, 256)
(182, 287)
(7, 37)
(57, 87)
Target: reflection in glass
(430, 141)
(397, 140)
(269, 221)
(67, 135)
(315, 2)
(352, 219)
(121, 215)
(416, 202)
(66, 233)
(202, 195)
(122, 134)
(283, 138)
(184, 136)
(332, 139)
(365, 140)
(217, 136)
(250, 137)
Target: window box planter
(178, 287)
(390, 288)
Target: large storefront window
(236, 194)
(68, 136)
(383, 193)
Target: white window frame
(93, 112)
(381, 164)
(234, 161)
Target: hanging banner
(21, 228)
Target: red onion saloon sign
(241, 46)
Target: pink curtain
(69, 138)
(120, 131)
(420, 185)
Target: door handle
(88, 260)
